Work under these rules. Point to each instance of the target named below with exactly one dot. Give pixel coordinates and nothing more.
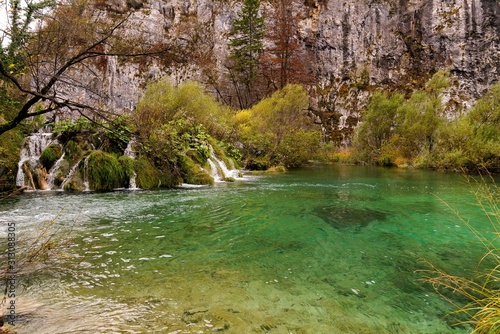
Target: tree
(55, 51)
(245, 44)
(377, 127)
(397, 129)
(285, 61)
(277, 130)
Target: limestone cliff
(356, 46)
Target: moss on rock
(104, 171)
(50, 155)
(193, 173)
(150, 177)
(10, 144)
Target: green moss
(74, 185)
(10, 144)
(193, 173)
(104, 172)
(150, 177)
(74, 150)
(127, 164)
(50, 155)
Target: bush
(277, 130)
(163, 102)
(127, 164)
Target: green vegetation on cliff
(418, 132)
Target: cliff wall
(356, 47)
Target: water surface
(325, 249)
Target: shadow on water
(341, 217)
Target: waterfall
(86, 174)
(52, 172)
(129, 152)
(215, 172)
(30, 153)
(70, 175)
(219, 170)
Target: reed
(482, 292)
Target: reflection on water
(320, 250)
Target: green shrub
(258, 163)
(148, 177)
(10, 144)
(279, 129)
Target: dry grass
(483, 291)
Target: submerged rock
(342, 217)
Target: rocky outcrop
(356, 47)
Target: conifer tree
(245, 44)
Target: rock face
(356, 47)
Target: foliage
(73, 151)
(21, 19)
(377, 127)
(296, 147)
(50, 155)
(285, 60)
(46, 42)
(175, 126)
(277, 130)
(10, 142)
(163, 102)
(150, 177)
(104, 171)
(417, 132)
(128, 167)
(192, 173)
(71, 127)
(111, 136)
(245, 45)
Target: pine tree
(245, 44)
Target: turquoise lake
(322, 249)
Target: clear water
(330, 249)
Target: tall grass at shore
(481, 308)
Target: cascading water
(219, 170)
(86, 174)
(129, 152)
(30, 154)
(215, 172)
(52, 173)
(70, 175)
